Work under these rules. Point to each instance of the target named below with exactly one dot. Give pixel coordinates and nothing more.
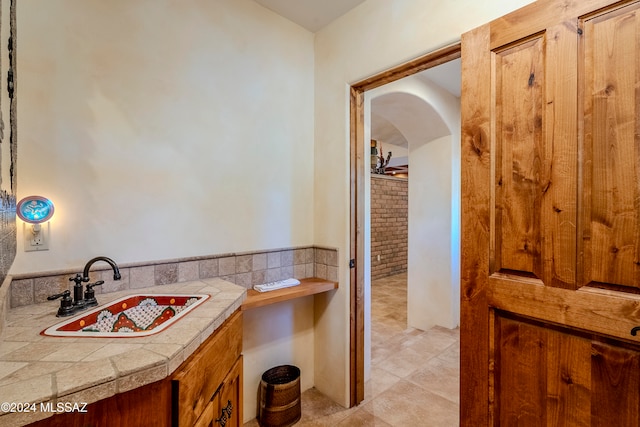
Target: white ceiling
(310, 14)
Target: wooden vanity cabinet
(207, 388)
(204, 391)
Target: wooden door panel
(520, 156)
(520, 355)
(611, 149)
(536, 157)
(568, 397)
(551, 216)
(553, 376)
(615, 386)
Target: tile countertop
(36, 368)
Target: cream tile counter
(43, 369)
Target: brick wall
(389, 225)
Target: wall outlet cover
(36, 241)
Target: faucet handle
(66, 303)
(91, 285)
(64, 295)
(78, 279)
(90, 295)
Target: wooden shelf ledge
(308, 286)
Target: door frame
(357, 163)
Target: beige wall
(433, 291)
(373, 37)
(164, 129)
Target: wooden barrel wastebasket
(279, 397)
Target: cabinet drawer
(197, 380)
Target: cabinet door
(196, 381)
(229, 413)
(551, 216)
(207, 418)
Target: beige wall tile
(188, 271)
(46, 286)
(244, 263)
(310, 270)
(299, 256)
(274, 274)
(141, 277)
(21, 292)
(244, 279)
(259, 277)
(321, 271)
(209, 268)
(299, 271)
(166, 274)
(274, 260)
(309, 255)
(286, 258)
(227, 266)
(259, 262)
(320, 256)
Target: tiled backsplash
(244, 269)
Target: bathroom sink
(130, 316)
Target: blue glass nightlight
(35, 209)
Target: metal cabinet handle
(225, 414)
(635, 330)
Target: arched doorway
(358, 167)
(428, 119)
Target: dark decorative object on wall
(8, 148)
(378, 162)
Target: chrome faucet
(82, 300)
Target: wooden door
(551, 217)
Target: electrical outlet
(36, 240)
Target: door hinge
(352, 263)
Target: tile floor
(414, 374)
